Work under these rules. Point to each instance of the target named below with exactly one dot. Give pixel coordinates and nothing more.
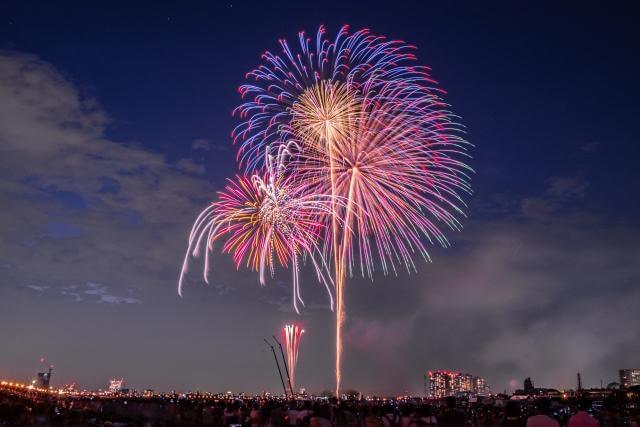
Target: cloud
(190, 167)
(77, 205)
(41, 112)
(90, 292)
(559, 195)
(112, 299)
(544, 292)
(105, 297)
(37, 288)
(201, 144)
(538, 207)
(511, 299)
(567, 186)
(206, 145)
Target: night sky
(115, 123)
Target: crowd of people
(614, 411)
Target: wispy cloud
(206, 145)
(567, 186)
(37, 288)
(104, 295)
(561, 191)
(191, 167)
(126, 208)
(90, 293)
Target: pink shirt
(582, 419)
(542, 421)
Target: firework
(292, 335)
(374, 135)
(266, 221)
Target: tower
(528, 386)
(579, 382)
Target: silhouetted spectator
(320, 417)
(372, 418)
(582, 417)
(345, 416)
(542, 419)
(427, 418)
(388, 416)
(451, 417)
(610, 415)
(512, 415)
(292, 414)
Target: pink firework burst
(266, 221)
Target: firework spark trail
(324, 115)
(292, 335)
(372, 133)
(263, 217)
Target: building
(629, 377)
(441, 383)
(465, 382)
(480, 386)
(449, 383)
(116, 386)
(44, 379)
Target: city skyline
(115, 133)
(438, 384)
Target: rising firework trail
(374, 135)
(292, 334)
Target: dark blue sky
(548, 92)
(536, 81)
